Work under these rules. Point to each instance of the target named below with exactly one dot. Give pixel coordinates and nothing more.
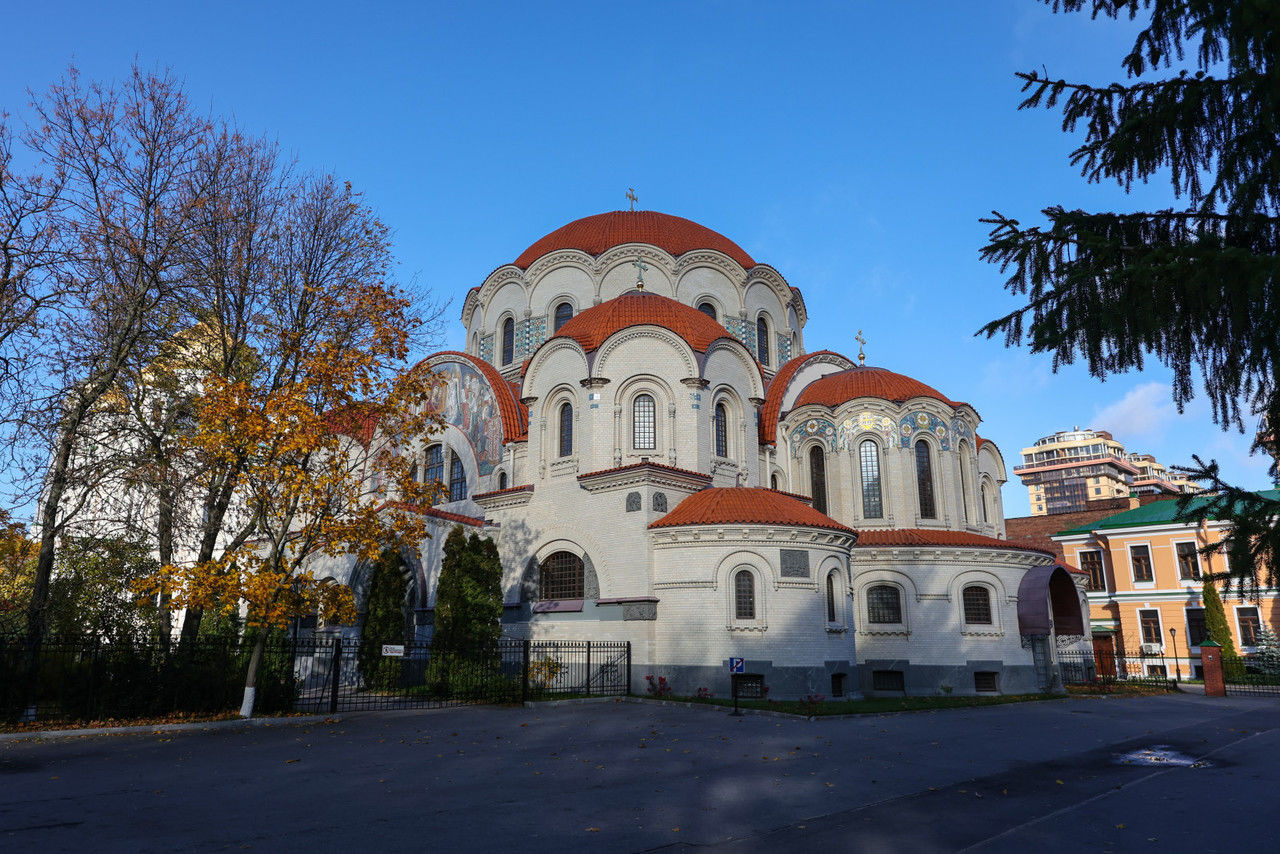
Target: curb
(233, 723)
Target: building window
(983, 492)
(709, 310)
(1188, 561)
(965, 489)
(884, 604)
(977, 605)
(561, 577)
(762, 340)
(1196, 631)
(566, 429)
(869, 457)
(564, 311)
(744, 595)
(831, 598)
(502, 480)
(818, 478)
(457, 479)
(644, 425)
(1149, 622)
(888, 680)
(1091, 562)
(721, 425)
(773, 481)
(508, 341)
(1249, 625)
(659, 502)
(433, 471)
(924, 480)
(984, 682)
(1140, 560)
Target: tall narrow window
(773, 481)
(744, 595)
(1250, 625)
(1149, 622)
(1188, 561)
(564, 311)
(722, 430)
(818, 478)
(831, 598)
(984, 498)
(508, 341)
(762, 340)
(709, 310)
(869, 455)
(977, 605)
(963, 459)
(457, 479)
(433, 471)
(502, 480)
(644, 433)
(1140, 560)
(924, 480)
(884, 604)
(566, 429)
(1196, 631)
(1091, 562)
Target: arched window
(869, 457)
(502, 480)
(566, 429)
(762, 340)
(744, 595)
(433, 471)
(818, 478)
(564, 311)
(924, 480)
(457, 479)
(508, 341)
(884, 604)
(977, 605)
(709, 310)
(965, 489)
(644, 429)
(982, 492)
(721, 430)
(561, 577)
(773, 481)
(831, 597)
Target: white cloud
(1145, 413)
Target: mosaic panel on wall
(530, 334)
(918, 422)
(743, 331)
(486, 348)
(960, 430)
(865, 422)
(784, 348)
(467, 402)
(819, 428)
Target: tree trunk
(164, 531)
(251, 678)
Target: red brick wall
(1036, 530)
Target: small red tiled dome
(743, 505)
(638, 308)
(595, 234)
(835, 389)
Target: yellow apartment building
(1145, 578)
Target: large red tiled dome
(843, 386)
(638, 308)
(743, 505)
(595, 234)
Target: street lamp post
(1173, 633)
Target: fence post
(588, 668)
(1211, 660)
(335, 674)
(524, 671)
(628, 668)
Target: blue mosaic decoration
(819, 428)
(529, 334)
(865, 422)
(784, 348)
(486, 348)
(919, 422)
(960, 430)
(743, 331)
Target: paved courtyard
(1038, 777)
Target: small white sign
(393, 649)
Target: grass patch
(873, 706)
(1121, 689)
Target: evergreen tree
(385, 621)
(1197, 288)
(1268, 651)
(468, 597)
(1216, 627)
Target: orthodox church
(637, 423)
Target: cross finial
(632, 197)
(862, 356)
(640, 268)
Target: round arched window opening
(709, 310)
(561, 576)
(508, 341)
(564, 311)
(744, 595)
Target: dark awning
(1047, 596)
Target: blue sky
(852, 145)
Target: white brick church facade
(638, 425)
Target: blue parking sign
(737, 665)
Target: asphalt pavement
(1169, 773)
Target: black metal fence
(1085, 667)
(1252, 676)
(89, 679)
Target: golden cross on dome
(631, 195)
(640, 268)
(862, 356)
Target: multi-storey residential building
(1145, 581)
(1067, 470)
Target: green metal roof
(1155, 513)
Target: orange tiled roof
(595, 234)
(637, 308)
(772, 409)
(651, 465)
(928, 537)
(515, 416)
(357, 421)
(435, 513)
(835, 389)
(743, 505)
